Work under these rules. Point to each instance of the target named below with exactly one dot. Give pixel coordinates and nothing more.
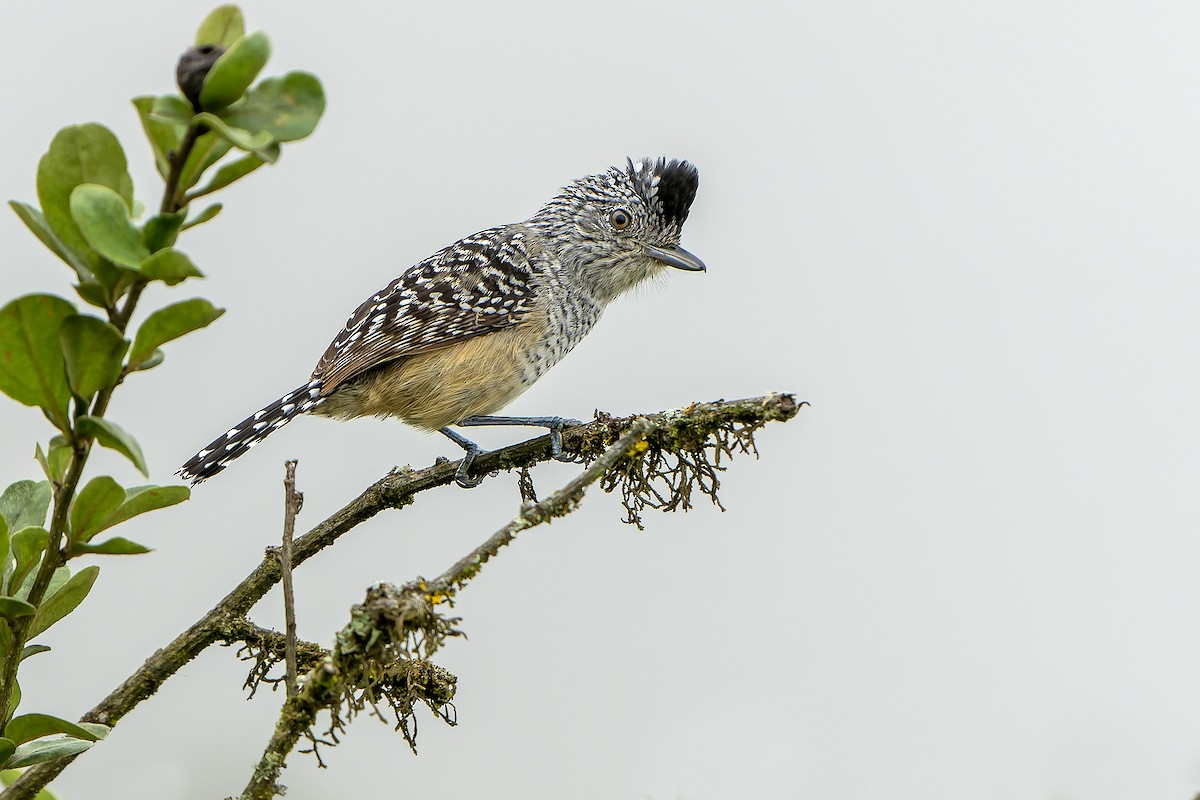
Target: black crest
(669, 187)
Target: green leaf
(172, 109)
(57, 579)
(93, 350)
(256, 143)
(116, 546)
(97, 729)
(15, 699)
(31, 360)
(210, 212)
(234, 170)
(64, 601)
(55, 463)
(28, 727)
(170, 266)
(141, 499)
(153, 361)
(95, 294)
(33, 650)
(234, 71)
(25, 503)
(11, 608)
(169, 323)
(80, 154)
(28, 544)
(42, 750)
(161, 230)
(164, 137)
(109, 434)
(7, 747)
(208, 150)
(4, 558)
(36, 222)
(288, 107)
(93, 507)
(223, 25)
(103, 218)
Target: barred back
(250, 431)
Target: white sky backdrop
(965, 232)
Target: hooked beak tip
(677, 257)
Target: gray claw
(460, 475)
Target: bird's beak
(676, 257)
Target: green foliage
(64, 601)
(94, 505)
(25, 503)
(163, 136)
(170, 266)
(141, 499)
(212, 211)
(160, 232)
(166, 324)
(103, 504)
(68, 364)
(257, 143)
(108, 434)
(116, 546)
(93, 350)
(28, 727)
(54, 463)
(224, 26)
(80, 154)
(234, 71)
(49, 749)
(103, 218)
(33, 372)
(288, 108)
(27, 545)
(11, 608)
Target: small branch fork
(617, 449)
(400, 616)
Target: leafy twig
(64, 492)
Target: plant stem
(64, 493)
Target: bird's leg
(472, 450)
(555, 424)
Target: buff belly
(432, 390)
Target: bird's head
(624, 224)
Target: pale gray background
(964, 232)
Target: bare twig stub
(292, 502)
(643, 484)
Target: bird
(458, 336)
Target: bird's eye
(620, 219)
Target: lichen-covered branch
(681, 448)
(393, 622)
(369, 664)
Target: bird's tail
(250, 431)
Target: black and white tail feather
(250, 431)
